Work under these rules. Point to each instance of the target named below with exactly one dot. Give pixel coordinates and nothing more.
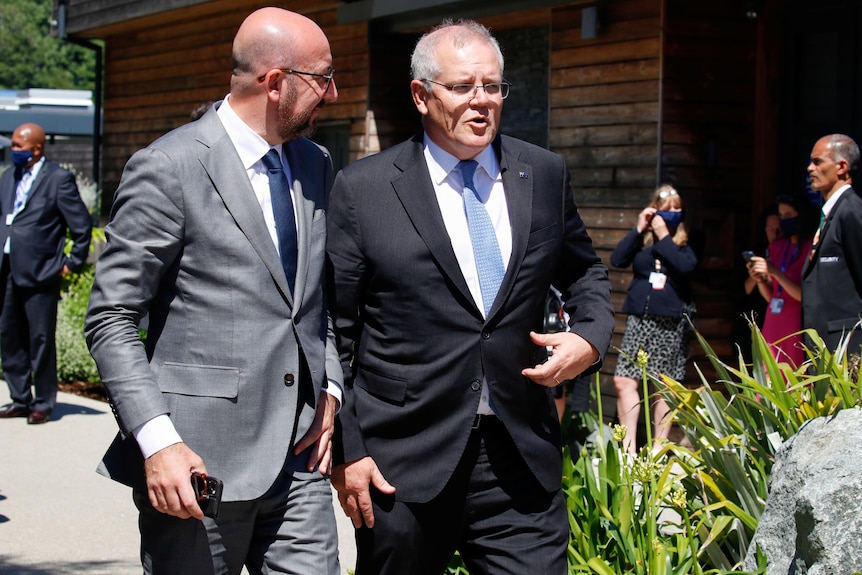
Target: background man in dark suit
(449, 410)
(832, 278)
(218, 232)
(39, 201)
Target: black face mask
(789, 226)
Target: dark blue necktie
(282, 210)
(486, 250)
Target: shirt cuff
(156, 434)
(334, 390)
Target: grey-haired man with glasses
(442, 250)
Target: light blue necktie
(486, 250)
(282, 210)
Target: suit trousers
(28, 348)
(493, 511)
(290, 529)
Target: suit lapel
(416, 193)
(229, 179)
(824, 232)
(518, 187)
(417, 196)
(35, 185)
(304, 207)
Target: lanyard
(785, 261)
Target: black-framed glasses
(468, 91)
(327, 78)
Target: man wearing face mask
(39, 201)
(662, 258)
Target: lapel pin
(524, 175)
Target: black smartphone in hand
(208, 493)
(747, 255)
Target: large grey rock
(812, 523)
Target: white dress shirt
(448, 187)
(28, 176)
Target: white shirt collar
(441, 163)
(250, 146)
(33, 170)
(833, 199)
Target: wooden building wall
(663, 93)
(605, 121)
(160, 67)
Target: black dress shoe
(14, 411)
(37, 416)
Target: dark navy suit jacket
(413, 343)
(38, 232)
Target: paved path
(57, 515)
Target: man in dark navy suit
(39, 202)
(443, 249)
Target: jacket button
(476, 385)
(486, 335)
(288, 379)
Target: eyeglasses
(324, 84)
(667, 193)
(470, 90)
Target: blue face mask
(789, 226)
(20, 158)
(672, 219)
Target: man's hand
(352, 481)
(169, 484)
(572, 355)
(320, 434)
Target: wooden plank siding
(160, 67)
(604, 118)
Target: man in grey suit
(217, 233)
(449, 437)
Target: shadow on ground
(9, 566)
(63, 409)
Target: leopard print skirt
(666, 341)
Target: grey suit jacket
(235, 359)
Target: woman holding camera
(779, 281)
(662, 260)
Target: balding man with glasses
(218, 233)
(442, 251)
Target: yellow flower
(643, 358)
(620, 432)
(678, 496)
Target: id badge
(776, 304)
(657, 280)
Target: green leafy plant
(736, 428)
(74, 362)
